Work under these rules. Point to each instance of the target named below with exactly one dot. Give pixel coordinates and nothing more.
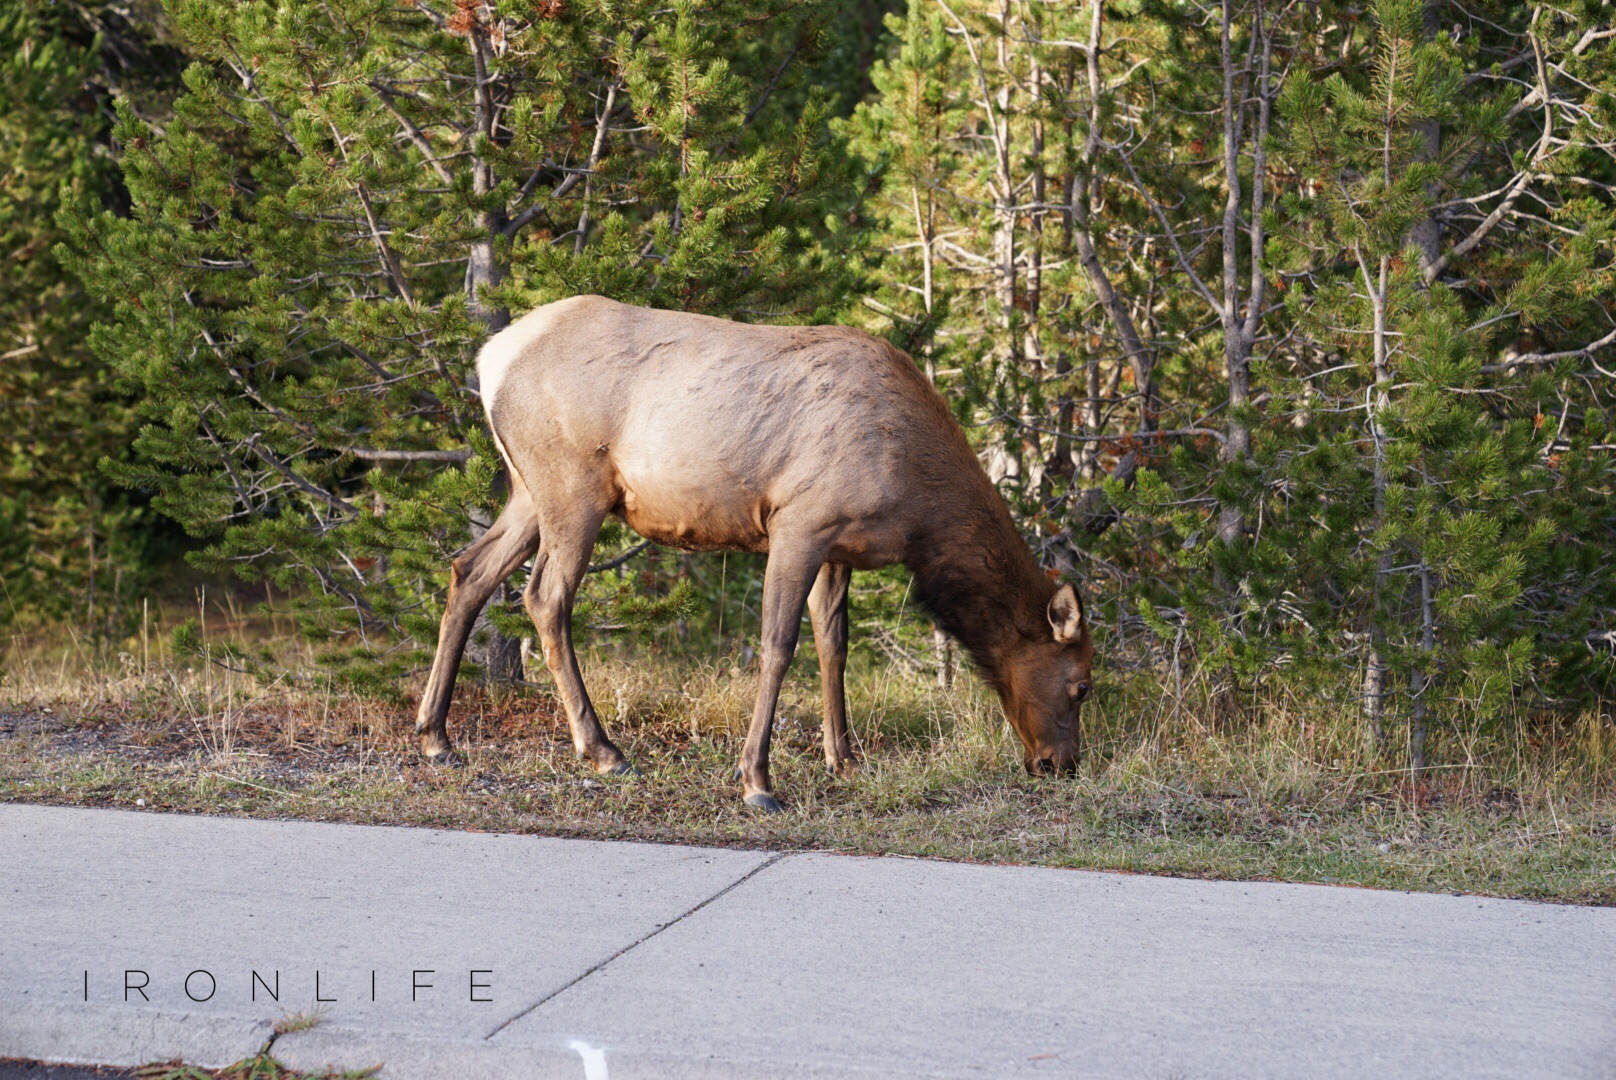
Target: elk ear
(1066, 614)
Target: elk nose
(1057, 764)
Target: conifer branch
(414, 133)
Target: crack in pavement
(631, 946)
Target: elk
(822, 446)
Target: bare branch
(410, 455)
(618, 560)
(1540, 359)
(415, 134)
(395, 272)
(1469, 243)
(299, 482)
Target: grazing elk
(820, 445)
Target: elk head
(1044, 682)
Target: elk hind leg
(473, 577)
(559, 570)
(827, 607)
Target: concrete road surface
(133, 937)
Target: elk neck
(975, 575)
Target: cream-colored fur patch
(494, 362)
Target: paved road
(13, 1069)
(467, 955)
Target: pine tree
(353, 196)
(1165, 243)
(1447, 494)
(902, 135)
(71, 541)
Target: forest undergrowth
(1179, 775)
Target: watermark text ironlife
(137, 986)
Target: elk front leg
(473, 577)
(827, 607)
(786, 582)
(559, 570)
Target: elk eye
(1083, 689)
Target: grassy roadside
(261, 1066)
(1287, 792)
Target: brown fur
(823, 446)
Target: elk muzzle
(1057, 761)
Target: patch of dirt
(20, 1069)
(291, 746)
(1501, 800)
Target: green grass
(1284, 790)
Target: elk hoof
(735, 776)
(605, 759)
(765, 802)
(446, 758)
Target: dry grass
(261, 1066)
(1289, 789)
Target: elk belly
(690, 522)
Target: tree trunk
(500, 656)
(1420, 681)
(1090, 516)
(943, 646)
(1240, 331)
(1426, 233)
(1375, 674)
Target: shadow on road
(17, 1069)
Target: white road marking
(594, 1060)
